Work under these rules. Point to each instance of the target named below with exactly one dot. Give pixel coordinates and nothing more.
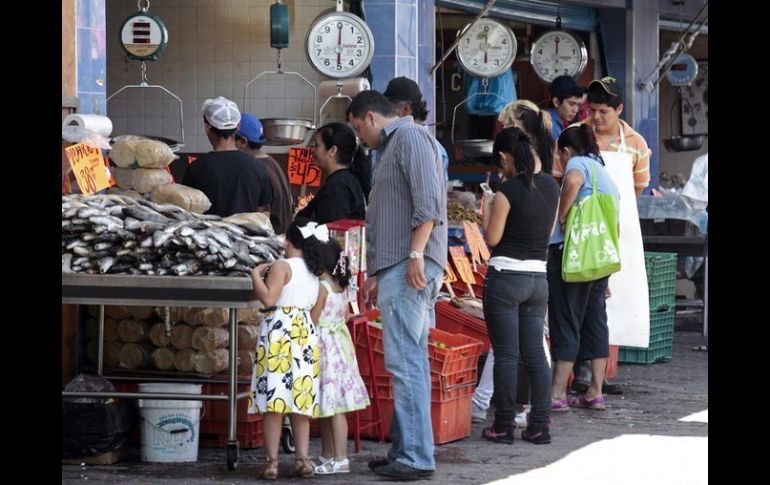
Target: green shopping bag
(591, 248)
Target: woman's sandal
(333, 466)
(270, 470)
(303, 468)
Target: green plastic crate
(661, 279)
(661, 341)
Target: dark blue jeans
(514, 310)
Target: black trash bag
(91, 426)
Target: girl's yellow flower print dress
(285, 377)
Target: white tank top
(302, 289)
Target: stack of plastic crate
(661, 281)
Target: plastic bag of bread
(145, 179)
(135, 356)
(122, 177)
(207, 338)
(181, 336)
(133, 331)
(191, 316)
(246, 359)
(248, 336)
(183, 360)
(251, 316)
(214, 317)
(158, 335)
(123, 150)
(187, 198)
(153, 154)
(175, 313)
(211, 361)
(140, 312)
(163, 359)
(117, 312)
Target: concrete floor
(655, 398)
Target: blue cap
(251, 129)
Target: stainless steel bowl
(473, 149)
(285, 131)
(684, 143)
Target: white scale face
(339, 45)
(487, 49)
(557, 53)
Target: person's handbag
(591, 248)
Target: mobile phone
(486, 189)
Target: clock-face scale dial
(339, 45)
(557, 53)
(487, 49)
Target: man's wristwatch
(415, 254)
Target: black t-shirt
(530, 220)
(233, 181)
(340, 197)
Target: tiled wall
(90, 34)
(215, 47)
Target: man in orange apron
(627, 159)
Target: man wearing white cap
(233, 181)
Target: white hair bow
(321, 232)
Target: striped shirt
(409, 189)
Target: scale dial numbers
(487, 49)
(557, 53)
(339, 45)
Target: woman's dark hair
(581, 139)
(349, 152)
(516, 143)
(312, 249)
(335, 263)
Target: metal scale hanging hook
(484, 92)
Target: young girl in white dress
(341, 389)
(285, 377)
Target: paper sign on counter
(89, 168)
(461, 264)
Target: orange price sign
(462, 264)
(479, 249)
(302, 168)
(89, 168)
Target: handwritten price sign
(88, 166)
(461, 264)
(449, 275)
(479, 249)
(302, 168)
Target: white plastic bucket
(169, 428)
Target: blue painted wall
(91, 29)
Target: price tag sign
(462, 264)
(89, 168)
(302, 168)
(479, 249)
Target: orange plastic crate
(454, 320)
(218, 410)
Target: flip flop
(596, 403)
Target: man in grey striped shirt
(406, 237)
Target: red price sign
(89, 168)
(302, 168)
(462, 264)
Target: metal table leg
(706, 297)
(232, 392)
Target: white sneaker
(478, 415)
(522, 418)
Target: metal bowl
(684, 143)
(473, 150)
(285, 131)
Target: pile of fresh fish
(116, 234)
